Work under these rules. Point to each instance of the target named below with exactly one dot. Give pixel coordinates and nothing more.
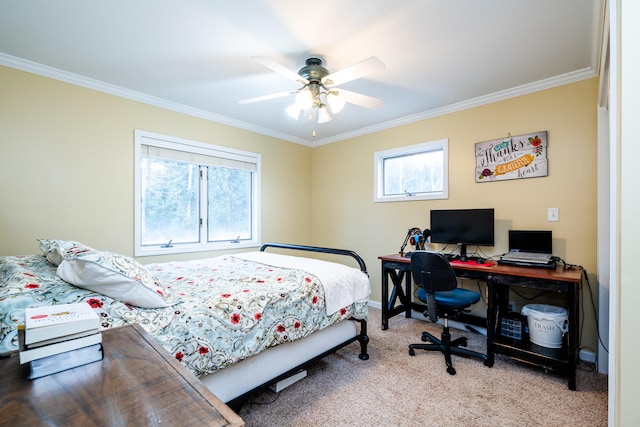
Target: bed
(239, 322)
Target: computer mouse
(480, 261)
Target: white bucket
(547, 324)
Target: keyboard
(532, 257)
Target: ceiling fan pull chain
(315, 123)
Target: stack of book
(59, 337)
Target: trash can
(547, 324)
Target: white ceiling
(194, 56)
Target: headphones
(416, 237)
(419, 237)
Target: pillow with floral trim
(49, 249)
(114, 275)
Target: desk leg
(385, 298)
(492, 307)
(407, 292)
(389, 300)
(574, 335)
(398, 299)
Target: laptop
(529, 247)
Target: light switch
(552, 214)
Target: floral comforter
(226, 308)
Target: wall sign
(513, 157)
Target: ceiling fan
(319, 95)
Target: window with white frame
(415, 172)
(191, 196)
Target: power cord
(593, 305)
(595, 313)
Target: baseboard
(375, 304)
(587, 356)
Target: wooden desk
(499, 279)
(138, 383)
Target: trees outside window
(192, 196)
(416, 172)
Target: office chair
(432, 272)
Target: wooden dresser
(137, 384)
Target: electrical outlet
(552, 214)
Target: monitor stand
(463, 253)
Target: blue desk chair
(434, 275)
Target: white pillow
(114, 275)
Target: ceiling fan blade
(267, 97)
(280, 69)
(360, 99)
(355, 71)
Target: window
(416, 172)
(191, 196)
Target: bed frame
(234, 384)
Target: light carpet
(395, 389)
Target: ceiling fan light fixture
(319, 99)
(323, 114)
(335, 101)
(304, 99)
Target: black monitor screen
(462, 226)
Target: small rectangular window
(416, 172)
(191, 196)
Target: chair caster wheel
(424, 339)
(451, 370)
(411, 352)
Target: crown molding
(78, 80)
(75, 79)
(563, 79)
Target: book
(64, 361)
(61, 339)
(58, 321)
(27, 355)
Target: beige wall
(344, 214)
(66, 166)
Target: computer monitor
(463, 227)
